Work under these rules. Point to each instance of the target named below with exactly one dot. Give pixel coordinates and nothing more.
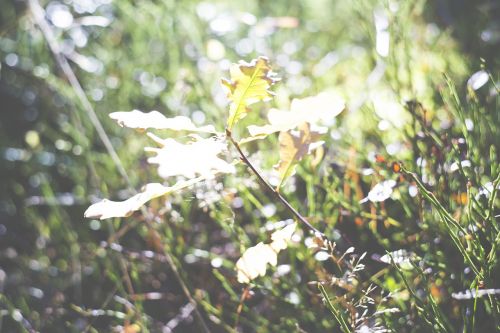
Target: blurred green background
(58, 271)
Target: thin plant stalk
(276, 194)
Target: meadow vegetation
(343, 176)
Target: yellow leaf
(293, 146)
(253, 263)
(154, 119)
(322, 107)
(106, 209)
(249, 83)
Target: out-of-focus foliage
(431, 260)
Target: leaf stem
(270, 188)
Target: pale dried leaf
(154, 119)
(322, 107)
(249, 83)
(199, 157)
(293, 146)
(253, 263)
(106, 208)
(281, 237)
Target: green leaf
(249, 83)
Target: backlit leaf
(253, 263)
(322, 107)
(198, 157)
(154, 119)
(293, 146)
(105, 208)
(281, 237)
(249, 83)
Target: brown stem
(270, 188)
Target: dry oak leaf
(294, 145)
(249, 83)
(253, 263)
(154, 119)
(322, 107)
(106, 209)
(198, 157)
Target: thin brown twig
(244, 295)
(272, 189)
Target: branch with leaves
(199, 158)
